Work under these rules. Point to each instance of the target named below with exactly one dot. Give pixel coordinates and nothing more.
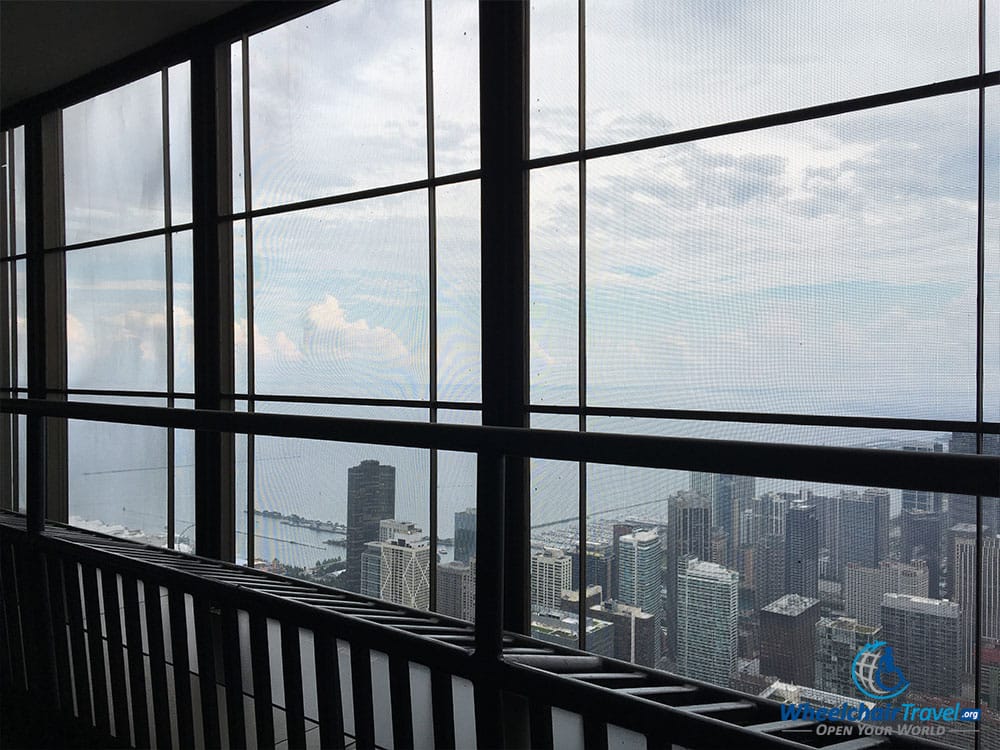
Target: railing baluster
(402, 710)
(442, 703)
(19, 675)
(541, 725)
(98, 674)
(116, 660)
(595, 733)
(331, 713)
(206, 674)
(234, 677)
(364, 711)
(157, 664)
(291, 665)
(74, 605)
(57, 603)
(182, 667)
(262, 700)
(136, 665)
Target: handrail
(938, 472)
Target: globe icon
(875, 673)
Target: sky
(821, 267)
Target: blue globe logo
(875, 673)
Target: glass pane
(456, 85)
(236, 130)
(555, 487)
(457, 502)
(240, 318)
(116, 316)
(113, 162)
(179, 91)
(554, 251)
(183, 292)
(118, 477)
(822, 267)
(653, 68)
(338, 102)
(991, 248)
(326, 526)
(184, 486)
(341, 299)
(459, 286)
(17, 159)
(553, 84)
(21, 291)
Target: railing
(235, 657)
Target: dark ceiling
(46, 44)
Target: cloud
(328, 332)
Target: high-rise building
(564, 630)
(864, 527)
(769, 569)
(689, 527)
(639, 570)
(802, 550)
(828, 515)
(551, 574)
(930, 502)
(397, 569)
(617, 532)
(864, 587)
(922, 538)
(787, 639)
(569, 600)
(728, 495)
(924, 635)
(637, 637)
(371, 498)
(719, 547)
(456, 589)
(599, 560)
(838, 640)
(465, 535)
(963, 565)
(770, 510)
(707, 612)
(962, 508)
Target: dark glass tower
(465, 535)
(802, 550)
(689, 530)
(371, 497)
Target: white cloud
(328, 331)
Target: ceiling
(47, 44)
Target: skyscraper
(802, 550)
(456, 589)
(707, 611)
(637, 637)
(919, 499)
(465, 535)
(787, 639)
(963, 563)
(864, 527)
(397, 569)
(864, 587)
(922, 538)
(639, 572)
(838, 640)
(599, 561)
(689, 525)
(551, 574)
(564, 630)
(924, 634)
(728, 494)
(371, 498)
